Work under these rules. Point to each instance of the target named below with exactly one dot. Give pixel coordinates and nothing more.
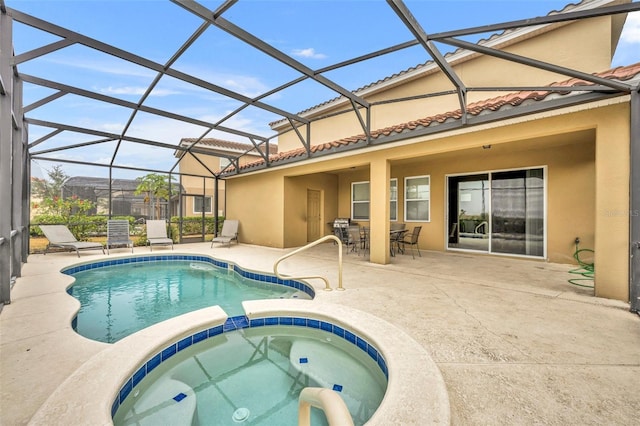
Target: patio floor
(515, 342)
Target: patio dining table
(396, 236)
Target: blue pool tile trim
(114, 407)
(169, 352)
(256, 276)
(185, 343)
(153, 362)
(198, 337)
(239, 322)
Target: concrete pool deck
(515, 343)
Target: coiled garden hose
(585, 270)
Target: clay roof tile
(475, 108)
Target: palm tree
(155, 187)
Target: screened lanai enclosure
(116, 197)
(113, 111)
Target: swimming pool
(125, 295)
(254, 373)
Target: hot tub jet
(240, 415)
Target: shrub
(81, 226)
(193, 224)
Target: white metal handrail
(308, 246)
(335, 410)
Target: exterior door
(517, 211)
(469, 200)
(314, 219)
(498, 212)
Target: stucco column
(380, 172)
(612, 208)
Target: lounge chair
(60, 236)
(228, 234)
(118, 234)
(157, 234)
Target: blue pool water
(254, 376)
(118, 300)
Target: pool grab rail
(335, 410)
(308, 246)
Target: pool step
(168, 401)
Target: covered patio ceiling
(74, 140)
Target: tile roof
(430, 64)
(515, 99)
(226, 145)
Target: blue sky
(315, 33)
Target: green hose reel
(585, 269)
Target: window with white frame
(224, 162)
(417, 191)
(393, 200)
(360, 200)
(201, 203)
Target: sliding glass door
(517, 212)
(469, 212)
(498, 212)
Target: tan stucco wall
(257, 202)
(612, 205)
(188, 164)
(583, 45)
(582, 191)
(268, 218)
(196, 184)
(570, 181)
(295, 211)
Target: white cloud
(308, 53)
(239, 123)
(245, 85)
(631, 31)
(135, 90)
(162, 130)
(107, 66)
(111, 127)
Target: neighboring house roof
(228, 147)
(487, 106)
(498, 40)
(102, 184)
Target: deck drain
(240, 415)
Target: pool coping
(242, 322)
(102, 376)
(229, 266)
